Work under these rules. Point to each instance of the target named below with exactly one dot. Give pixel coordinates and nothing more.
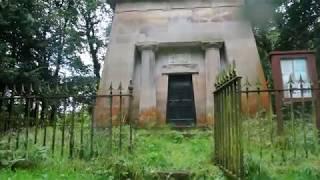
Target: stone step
(174, 175)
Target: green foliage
(284, 25)
(41, 41)
(269, 156)
(157, 150)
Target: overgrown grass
(154, 151)
(166, 150)
(293, 156)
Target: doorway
(181, 106)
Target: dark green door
(181, 108)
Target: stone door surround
(148, 57)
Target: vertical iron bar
(121, 119)
(130, 88)
(233, 126)
(292, 117)
(36, 114)
(303, 117)
(248, 117)
(63, 126)
(111, 118)
(10, 123)
(270, 117)
(220, 128)
(92, 130)
(2, 95)
(280, 125)
(224, 128)
(71, 140)
(81, 132)
(239, 131)
(314, 115)
(27, 122)
(227, 128)
(44, 120)
(260, 119)
(55, 115)
(19, 125)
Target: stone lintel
(201, 44)
(180, 69)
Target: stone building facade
(173, 50)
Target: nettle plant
(6, 155)
(18, 159)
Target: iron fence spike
(40, 89)
(31, 91)
(15, 89)
(258, 83)
(6, 88)
(48, 88)
(290, 82)
(234, 66)
(57, 89)
(229, 70)
(23, 89)
(268, 83)
(110, 87)
(130, 87)
(301, 81)
(247, 83)
(120, 86)
(7, 92)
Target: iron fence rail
(62, 121)
(286, 127)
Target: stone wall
(145, 32)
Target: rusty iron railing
(257, 122)
(284, 123)
(63, 120)
(228, 133)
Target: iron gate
(228, 143)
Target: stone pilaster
(148, 85)
(212, 65)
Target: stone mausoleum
(172, 50)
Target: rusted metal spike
(130, 87)
(234, 73)
(40, 90)
(15, 89)
(120, 86)
(110, 87)
(301, 81)
(218, 79)
(6, 88)
(247, 83)
(23, 91)
(225, 76)
(230, 71)
(31, 91)
(57, 89)
(258, 84)
(291, 81)
(7, 92)
(268, 83)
